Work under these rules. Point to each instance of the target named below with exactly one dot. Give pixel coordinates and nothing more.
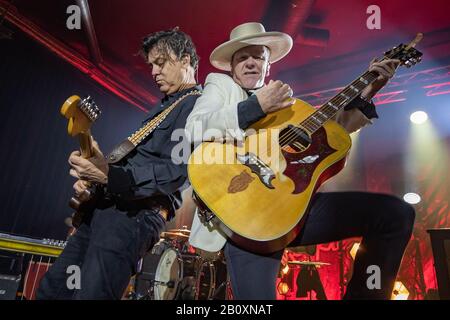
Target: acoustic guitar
(258, 191)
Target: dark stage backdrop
(34, 183)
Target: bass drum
(166, 274)
(176, 276)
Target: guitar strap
(128, 145)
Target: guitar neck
(407, 56)
(328, 110)
(86, 144)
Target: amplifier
(9, 286)
(35, 254)
(42, 247)
(10, 275)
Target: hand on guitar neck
(92, 170)
(386, 70)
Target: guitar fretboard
(339, 101)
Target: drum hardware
(173, 270)
(308, 279)
(222, 286)
(169, 284)
(210, 255)
(309, 263)
(222, 281)
(133, 295)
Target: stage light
(426, 162)
(399, 292)
(418, 117)
(354, 249)
(412, 198)
(283, 288)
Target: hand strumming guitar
(274, 96)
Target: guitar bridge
(263, 171)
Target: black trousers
(106, 249)
(384, 222)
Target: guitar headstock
(407, 54)
(81, 114)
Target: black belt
(155, 202)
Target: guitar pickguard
(301, 165)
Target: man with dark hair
(173, 40)
(142, 190)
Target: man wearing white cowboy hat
(230, 104)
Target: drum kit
(174, 270)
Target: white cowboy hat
(248, 34)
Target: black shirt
(149, 171)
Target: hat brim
(278, 43)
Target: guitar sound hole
(294, 139)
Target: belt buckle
(163, 212)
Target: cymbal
(173, 235)
(309, 263)
(184, 231)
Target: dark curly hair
(171, 40)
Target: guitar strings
(311, 124)
(308, 123)
(369, 74)
(338, 101)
